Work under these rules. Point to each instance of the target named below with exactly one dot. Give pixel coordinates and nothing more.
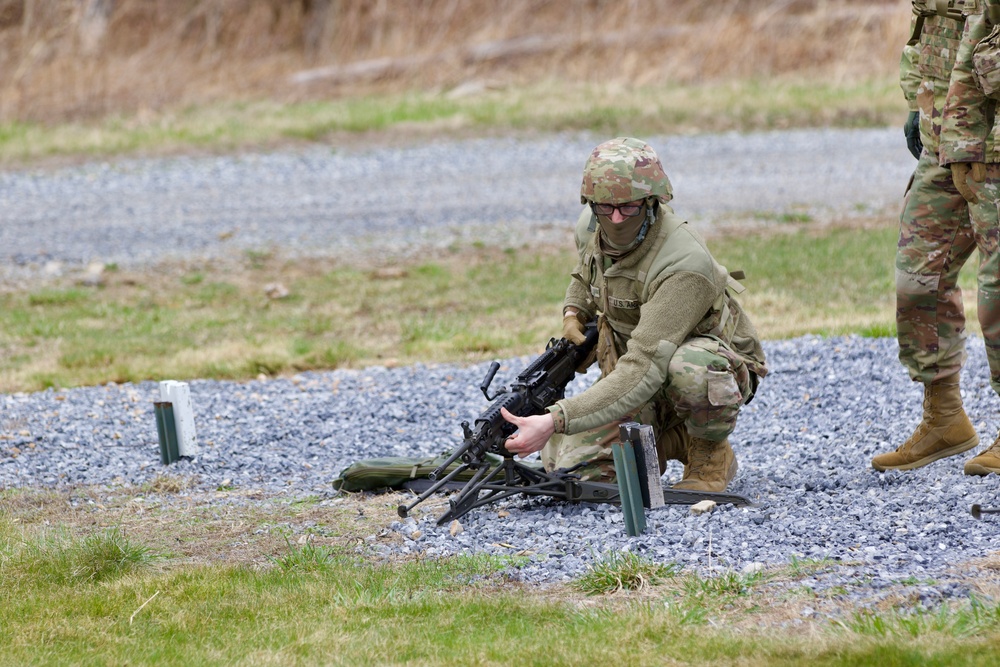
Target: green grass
(623, 571)
(835, 281)
(321, 605)
(92, 594)
(152, 589)
(801, 567)
(548, 106)
(211, 322)
(963, 621)
(57, 560)
(728, 583)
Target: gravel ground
(391, 201)
(804, 444)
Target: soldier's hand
(532, 432)
(573, 328)
(912, 131)
(960, 172)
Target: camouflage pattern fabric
(707, 383)
(935, 233)
(986, 64)
(666, 291)
(986, 227)
(623, 170)
(935, 240)
(969, 134)
(969, 129)
(928, 66)
(984, 234)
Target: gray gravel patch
(389, 202)
(804, 446)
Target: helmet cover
(623, 170)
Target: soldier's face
(621, 224)
(622, 212)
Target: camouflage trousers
(986, 227)
(936, 238)
(706, 385)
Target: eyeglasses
(626, 210)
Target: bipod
(509, 478)
(490, 484)
(444, 483)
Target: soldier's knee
(699, 376)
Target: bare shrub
(63, 59)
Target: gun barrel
(455, 455)
(404, 510)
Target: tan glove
(573, 327)
(960, 177)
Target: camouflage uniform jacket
(926, 64)
(970, 132)
(667, 290)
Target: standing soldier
(935, 240)
(970, 146)
(675, 348)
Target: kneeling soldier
(676, 350)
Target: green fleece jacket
(667, 290)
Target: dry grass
(192, 529)
(203, 528)
(71, 59)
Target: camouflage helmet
(624, 170)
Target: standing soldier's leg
(935, 240)
(707, 384)
(986, 221)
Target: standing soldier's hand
(573, 328)
(912, 131)
(960, 177)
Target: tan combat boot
(987, 462)
(711, 466)
(944, 431)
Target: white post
(179, 395)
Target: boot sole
(981, 470)
(944, 453)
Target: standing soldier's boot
(711, 466)
(987, 462)
(944, 431)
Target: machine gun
(538, 386)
